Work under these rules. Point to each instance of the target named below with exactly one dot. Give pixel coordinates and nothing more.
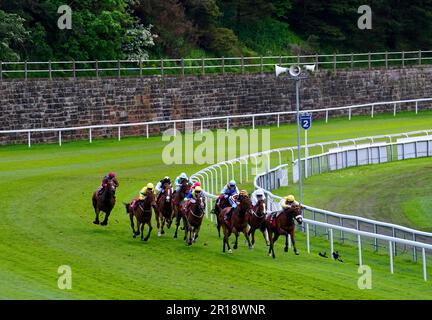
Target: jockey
(192, 195)
(257, 195)
(178, 181)
(196, 184)
(109, 177)
(229, 190)
(234, 203)
(160, 186)
(288, 202)
(142, 194)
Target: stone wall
(44, 103)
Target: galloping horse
(104, 202)
(143, 214)
(165, 209)
(283, 224)
(194, 215)
(257, 221)
(223, 203)
(239, 222)
(178, 202)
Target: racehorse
(239, 222)
(143, 214)
(283, 224)
(257, 221)
(104, 202)
(178, 202)
(165, 209)
(223, 203)
(194, 214)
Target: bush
(220, 41)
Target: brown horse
(178, 203)
(165, 209)
(283, 224)
(194, 214)
(223, 203)
(104, 202)
(257, 221)
(143, 214)
(239, 222)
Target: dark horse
(178, 202)
(143, 214)
(165, 209)
(283, 224)
(239, 222)
(104, 202)
(257, 221)
(223, 203)
(194, 214)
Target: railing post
(414, 249)
(372, 111)
(60, 138)
(201, 128)
(90, 136)
(25, 70)
(29, 138)
(334, 62)
(242, 65)
(416, 107)
(50, 69)
(326, 115)
(182, 67)
(394, 110)
(403, 59)
(359, 250)
(424, 264)
(140, 67)
(119, 133)
(1, 70)
(97, 69)
(349, 114)
(394, 246)
(352, 61)
(307, 238)
(253, 122)
(331, 243)
(162, 67)
(227, 124)
(369, 60)
(278, 120)
(375, 239)
(391, 256)
(420, 57)
(223, 65)
(261, 64)
(202, 66)
(147, 131)
(118, 69)
(74, 69)
(386, 59)
(316, 61)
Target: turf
(46, 221)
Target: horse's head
(245, 202)
(295, 212)
(261, 206)
(111, 188)
(168, 192)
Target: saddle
(271, 218)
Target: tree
(12, 36)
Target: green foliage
(220, 40)
(12, 36)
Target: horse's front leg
(266, 237)
(105, 221)
(236, 239)
(252, 233)
(226, 240)
(176, 215)
(196, 233)
(141, 225)
(150, 229)
(293, 241)
(286, 242)
(247, 238)
(276, 236)
(134, 233)
(97, 211)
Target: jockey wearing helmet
(142, 194)
(192, 195)
(109, 177)
(288, 202)
(178, 181)
(229, 190)
(196, 184)
(160, 186)
(234, 202)
(257, 195)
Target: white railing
(162, 67)
(228, 118)
(214, 176)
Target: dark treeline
(127, 29)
